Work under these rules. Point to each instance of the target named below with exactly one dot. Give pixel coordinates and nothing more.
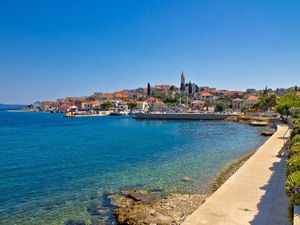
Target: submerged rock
(186, 179)
(267, 133)
(151, 208)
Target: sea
(54, 169)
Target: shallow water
(53, 168)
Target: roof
(92, 103)
(237, 100)
(65, 106)
(49, 103)
(252, 98)
(206, 94)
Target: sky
(57, 48)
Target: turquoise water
(53, 169)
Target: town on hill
(166, 98)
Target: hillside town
(164, 98)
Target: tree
(266, 90)
(148, 89)
(132, 105)
(190, 88)
(221, 106)
(207, 104)
(266, 102)
(172, 88)
(97, 108)
(197, 89)
(106, 105)
(287, 102)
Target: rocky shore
(253, 121)
(140, 207)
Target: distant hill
(4, 107)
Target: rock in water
(170, 210)
(186, 179)
(267, 133)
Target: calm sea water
(53, 168)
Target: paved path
(254, 194)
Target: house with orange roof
(120, 95)
(252, 99)
(67, 108)
(90, 105)
(197, 104)
(237, 104)
(205, 96)
(155, 105)
(49, 105)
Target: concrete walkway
(254, 194)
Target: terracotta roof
(65, 106)
(206, 94)
(252, 98)
(49, 103)
(92, 102)
(120, 95)
(108, 95)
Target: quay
(181, 116)
(255, 194)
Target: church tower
(182, 81)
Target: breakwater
(181, 116)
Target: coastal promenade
(254, 194)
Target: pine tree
(190, 88)
(148, 89)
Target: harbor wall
(182, 116)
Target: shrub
(296, 122)
(296, 130)
(296, 139)
(295, 150)
(292, 187)
(293, 165)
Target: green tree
(221, 106)
(97, 108)
(172, 88)
(190, 88)
(207, 104)
(148, 89)
(132, 105)
(266, 102)
(106, 105)
(287, 102)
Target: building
(197, 104)
(182, 81)
(88, 106)
(205, 96)
(237, 104)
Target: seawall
(181, 116)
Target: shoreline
(240, 199)
(162, 208)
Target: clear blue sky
(56, 48)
